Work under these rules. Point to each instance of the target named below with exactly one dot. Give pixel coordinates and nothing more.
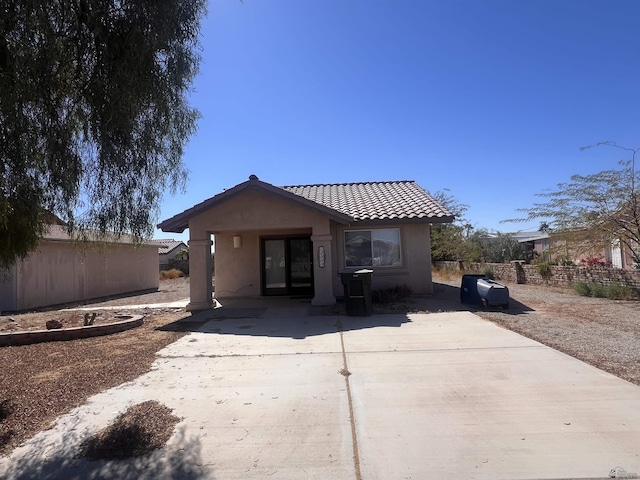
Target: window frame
(371, 233)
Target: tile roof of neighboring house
(375, 200)
(167, 245)
(343, 202)
(529, 236)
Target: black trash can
(357, 292)
(469, 288)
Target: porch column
(322, 270)
(200, 274)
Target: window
(372, 248)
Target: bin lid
(353, 271)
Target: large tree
(94, 113)
(449, 240)
(592, 211)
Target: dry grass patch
(170, 274)
(143, 428)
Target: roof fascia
(180, 222)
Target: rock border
(73, 333)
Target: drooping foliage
(595, 211)
(94, 113)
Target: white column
(322, 270)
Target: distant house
(169, 249)
(550, 247)
(537, 244)
(296, 240)
(59, 271)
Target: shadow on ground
(446, 298)
(181, 460)
(296, 318)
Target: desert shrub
(141, 429)
(170, 274)
(565, 261)
(391, 294)
(621, 292)
(598, 291)
(612, 292)
(582, 288)
(544, 269)
(446, 273)
(488, 272)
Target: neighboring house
(537, 244)
(60, 271)
(550, 247)
(619, 256)
(296, 240)
(168, 250)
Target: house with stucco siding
(295, 240)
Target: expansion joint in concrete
(346, 373)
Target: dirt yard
(42, 381)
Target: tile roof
(166, 245)
(375, 200)
(343, 202)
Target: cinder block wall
(559, 276)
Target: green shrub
(598, 291)
(544, 269)
(582, 288)
(565, 261)
(621, 292)
(612, 292)
(488, 272)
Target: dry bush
(170, 274)
(141, 429)
(446, 274)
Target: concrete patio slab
(451, 396)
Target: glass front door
(287, 267)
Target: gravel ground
(604, 333)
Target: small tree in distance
(448, 241)
(592, 211)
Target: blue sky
(489, 99)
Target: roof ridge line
(347, 183)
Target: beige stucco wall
(58, 272)
(251, 214)
(415, 246)
(238, 270)
(256, 210)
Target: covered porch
(267, 242)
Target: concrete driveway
(278, 394)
